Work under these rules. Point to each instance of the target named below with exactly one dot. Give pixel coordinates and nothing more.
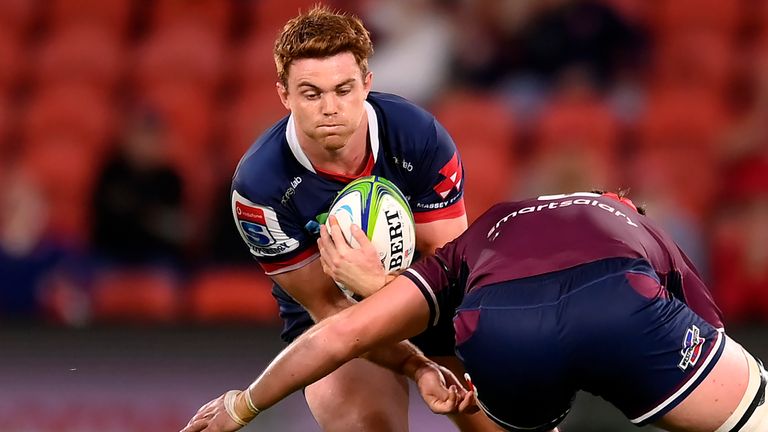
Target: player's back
(527, 238)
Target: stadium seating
(78, 56)
(139, 296)
(214, 15)
(674, 16)
(251, 112)
(113, 16)
(484, 132)
(232, 295)
(13, 60)
(268, 17)
(17, 16)
(181, 55)
(681, 62)
(50, 114)
(65, 171)
(683, 129)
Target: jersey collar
(298, 153)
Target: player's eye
(312, 96)
(343, 91)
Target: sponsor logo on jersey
(452, 173)
(495, 231)
(692, 346)
(291, 191)
(396, 246)
(260, 228)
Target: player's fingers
(338, 237)
(326, 246)
(362, 239)
(467, 404)
(196, 426)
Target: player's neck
(350, 160)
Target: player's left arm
(396, 312)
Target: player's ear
(367, 82)
(282, 92)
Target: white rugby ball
(378, 207)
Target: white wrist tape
(249, 402)
(229, 406)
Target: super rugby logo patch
(260, 228)
(692, 346)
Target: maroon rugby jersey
(550, 233)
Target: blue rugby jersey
(276, 191)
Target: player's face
(325, 96)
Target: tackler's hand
(357, 269)
(217, 415)
(441, 390)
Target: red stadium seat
(13, 61)
(181, 55)
(681, 62)
(215, 15)
(232, 295)
(484, 132)
(76, 114)
(16, 16)
(682, 118)
(585, 123)
(112, 15)
(250, 114)
(254, 62)
(7, 120)
(65, 172)
(678, 145)
(80, 56)
(144, 296)
(270, 16)
(673, 16)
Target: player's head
(323, 78)
(322, 33)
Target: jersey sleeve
(440, 189)
(276, 240)
(439, 278)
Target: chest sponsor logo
(693, 344)
(260, 228)
(291, 191)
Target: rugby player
(339, 130)
(549, 296)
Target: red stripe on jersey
(452, 211)
(348, 178)
(275, 267)
(452, 173)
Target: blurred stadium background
(127, 299)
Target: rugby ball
(378, 207)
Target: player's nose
(330, 104)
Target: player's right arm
(316, 291)
(394, 313)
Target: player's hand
(442, 391)
(358, 269)
(212, 417)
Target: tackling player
(339, 130)
(548, 296)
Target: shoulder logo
(260, 228)
(452, 173)
(692, 346)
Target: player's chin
(331, 142)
